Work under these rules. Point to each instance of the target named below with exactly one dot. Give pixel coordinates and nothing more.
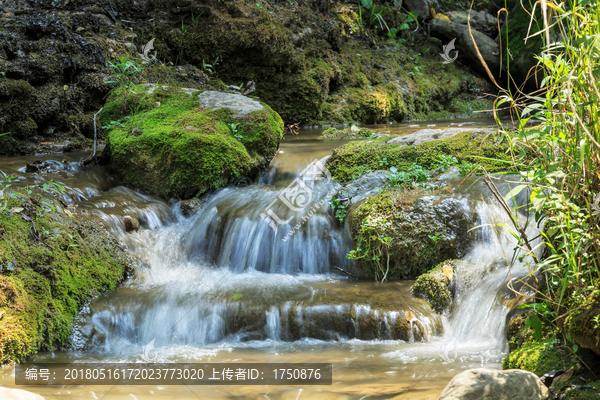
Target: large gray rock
(489, 49)
(491, 384)
(18, 394)
(244, 105)
(426, 135)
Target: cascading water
(223, 285)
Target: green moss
(41, 296)
(539, 358)
(355, 158)
(334, 133)
(580, 322)
(419, 236)
(433, 286)
(172, 147)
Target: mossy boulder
(422, 229)
(353, 132)
(358, 158)
(580, 323)
(434, 285)
(540, 357)
(44, 282)
(174, 147)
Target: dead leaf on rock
(26, 217)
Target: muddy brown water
(196, 284)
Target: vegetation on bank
(163, 142)
(50, 264)
(561, 178)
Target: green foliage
(340, 208)
(415, 174)
(372, 246)
(124, 71)
(560, 163)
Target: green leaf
(534, 322)
(514, 191)
(237, 296)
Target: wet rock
(191, 207)
(426, 135)
(424, 230)
(488, 48)
(242, 104)
(18, 394)
(131, 224)
(434, 286)
(365, 185)
(490, 384)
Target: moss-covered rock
(350, 133)
(44, 280)
(540, 357)
(581, 323)
(171, 146)
(414, 230)
(357, 158)
(434, 285)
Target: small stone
(137, 131)
(190, 207)
(354, 128)
(131, 224)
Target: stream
(222, 286)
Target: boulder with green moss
(582, 324)
(402, 234)
(180, 142)
(46, 277)
(434, 285)
(353, 132)
(474, 146)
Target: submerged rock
(422, 229)
(491, 384)
(184, 147)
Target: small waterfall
(477, 316)
(273, 324)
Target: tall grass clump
(559, 159)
